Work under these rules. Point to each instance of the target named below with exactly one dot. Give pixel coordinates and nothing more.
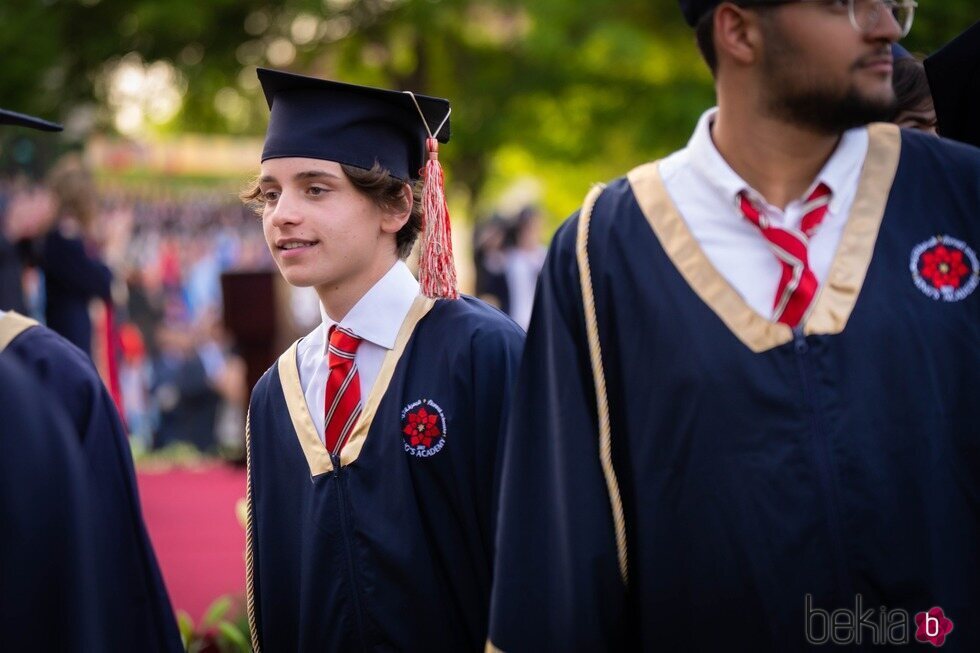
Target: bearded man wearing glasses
(747, 417)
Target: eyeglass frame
(851, 12)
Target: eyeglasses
(865, 15)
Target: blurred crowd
(133, 277)
(134, 280)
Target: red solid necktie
(343, 395)
(797, 284)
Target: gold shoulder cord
(599, 378)
(249, 523)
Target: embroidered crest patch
(423, 428)
(945, 268)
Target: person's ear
(396, 217)
(738, 35)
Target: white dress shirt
(376, 318)
(704, 189)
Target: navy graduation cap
(350, 124)
(361, 126)
(23, 120)
(954, 79)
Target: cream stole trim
(316, 453)
(838, 293)
(12, 325)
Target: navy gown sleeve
(126, 564)
(557, 585)
(49, 598)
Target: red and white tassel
(437, 269)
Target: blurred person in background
(50, 595)
(524, 258)
(26, 212)
(75, 270)
(490, 262)
(914, 108)
(135, 609)
(184, 375)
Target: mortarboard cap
(349, 124)
(954, 79)
(23, 120)
(360, 126)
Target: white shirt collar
(841, 168)
(378, 315)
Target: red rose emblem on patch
(932, 627)
(422, 427)
(944, 267)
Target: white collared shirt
(376, 318)
(704, 188)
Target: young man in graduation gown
(135, 607)
(748, 398)
(373, 441)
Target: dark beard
(802, 98)
(828, 113)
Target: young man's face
(322, 231)
(822, 73)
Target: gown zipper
(344, 507)
(824, 465)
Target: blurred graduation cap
(954, 79)
(362, 126)
(23, 120)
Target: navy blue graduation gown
(746, 466)
(49, 595)
(138, 609)
(388, 548)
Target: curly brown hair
(378, 184)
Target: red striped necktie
(343, 396)
(797, 284)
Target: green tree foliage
(568, 92)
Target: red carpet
(198, 541)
